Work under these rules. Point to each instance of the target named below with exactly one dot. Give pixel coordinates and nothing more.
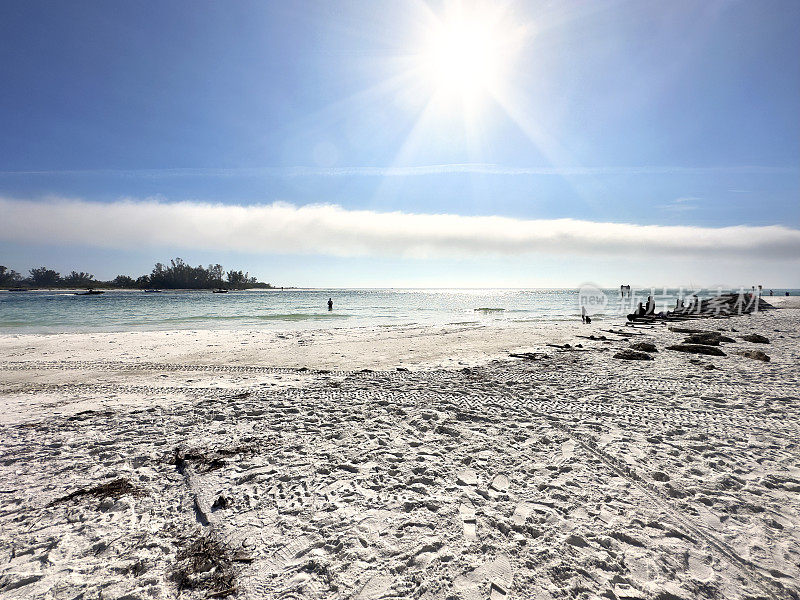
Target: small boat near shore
(89, 292)
(153, 291)
(220, 291)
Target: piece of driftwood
(755, 355)
(529, 355)
(697, 349)
(628, 354)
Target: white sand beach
(402, 463)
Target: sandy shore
(306, 465)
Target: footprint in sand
(521, 513)
(500, 483)
(467, 513)
(501, 577)
(467, 477)
(376, 587)
(567, 450)
(292, 551)
(699, 567)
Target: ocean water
(44, 311)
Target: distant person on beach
(787, 293)
(584, 317)
(330, 303)
(770, 292)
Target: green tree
(124, 281)
(45, 277)
(79, 279)
(215, 274)
(9, 276)
(237, 279)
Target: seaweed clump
(205, 564)
(113, 489)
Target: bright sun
(468, 54)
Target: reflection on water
(56, 311)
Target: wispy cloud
(333, 230)
(682, 204)
(409, 171)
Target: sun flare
(467, 54)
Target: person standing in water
(330, 303)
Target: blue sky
(644, 113)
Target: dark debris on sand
(629, 354)
(113, 489)
(211, 460)
(755, 338)
(205, 564)
(755, 355)
(708, 338)
(644, 347)
(697, 349)
(529, 355)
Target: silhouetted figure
(330, 303)
(770, 292)
(787, 293)
(583, 314)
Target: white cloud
(681, 204)
(333, 230)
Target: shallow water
(52, 311)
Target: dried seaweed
(113, 489)
(205, 564)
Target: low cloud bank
(333, 230)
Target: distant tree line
(177, 275)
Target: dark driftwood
(622, 333)
(755, 354)
(529, 355)
(697, 349)
(722, 306)
(644, 347)
(629, 354)
(755, 338)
